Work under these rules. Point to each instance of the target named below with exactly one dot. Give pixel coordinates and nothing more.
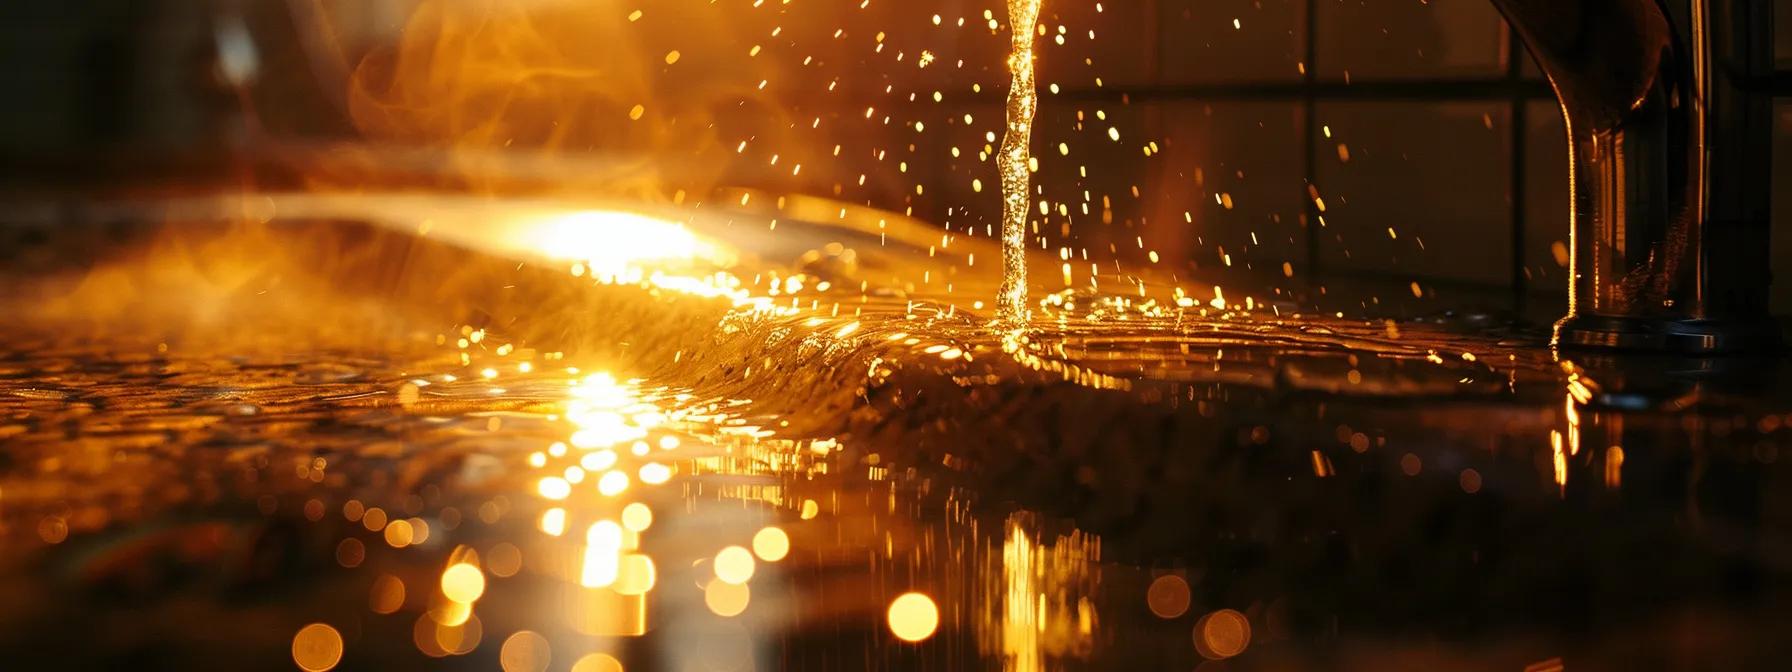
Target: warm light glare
(603, 551)
(636, 575)
(553, 521)
(654, 473)
(554, 487)
(734, 565)
(612, 483)
(610, 243)
(399, 534)
(598, 460)
(463, 583)
(597, 662)
(726, 599)
(637, 517)
(913, 617)
(771, 544)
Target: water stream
(1016, 164)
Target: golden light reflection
(387, 595)
(726, 599)
(654, 473)
(771, 544)
(604, 612)
(1559, 460)
(423, 635)
(613, 244)
(913, 617)
(637, 517)
(1020, 616)
(613, 483)
(1571, 411)
(635, 575)
(598, 460)
(419, 530)
(450, 613)
(525, 651)
(399, 534)
(317, 647)
(459, 639)
(597, 662)
(1168, 596)
(553, 521)
(1037, 597)
(374, 519)
(603, 554)
(734, 565)
(463, 583)
(504, 560)
(554, 488)
(1614, 467)
(1222, 634)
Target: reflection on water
(792, 469)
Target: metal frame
(1511, 86)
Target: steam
(594, 85)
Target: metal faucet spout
(1670, 154)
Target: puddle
(492, 462)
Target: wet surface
(802, 456)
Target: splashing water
(1015, 164)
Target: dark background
(1414, 116)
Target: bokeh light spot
(1168, 596)
(913, 617)
(350, 552)
(460, 639)
(525, 651)
(317, 647)
(635, 575)
(1222, 634)
(771, 544)
(399, 534)
(597, 662)
(726, 599)
(637, 517)
(734, 565)
(387, 595)
(504, 560)
(463, 583)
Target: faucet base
(1688, 336)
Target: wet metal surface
(643, 462)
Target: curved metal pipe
(1670, 154)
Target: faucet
(1669, 126)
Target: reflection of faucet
(1670, 151)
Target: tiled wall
(1382, 39)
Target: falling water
(1015, 163)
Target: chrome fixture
(1670, 138)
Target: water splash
(1015, 162)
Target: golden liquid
(1014, 162)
